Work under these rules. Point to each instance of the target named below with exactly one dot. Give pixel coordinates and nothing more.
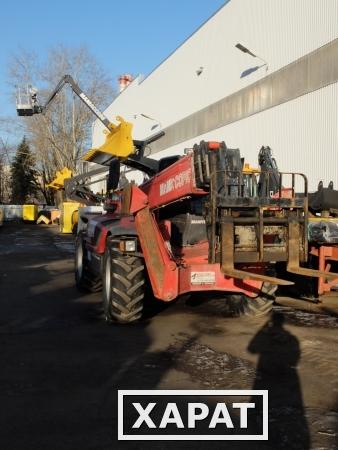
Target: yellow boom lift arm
(119, 146)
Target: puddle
(212, 369)
(307, 319)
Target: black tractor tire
(85, 280)
(241, 305)
(123, 286)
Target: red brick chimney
(124, 81)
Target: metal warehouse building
(285, 97)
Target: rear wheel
(254, 307)
(123, 286)
(85, 280)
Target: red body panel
(173, 183)
(326, 254)
(171, 271)
(102, 225)
(250, 288)
(162, 269)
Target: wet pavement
(61, 364)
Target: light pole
(246, 50)
(157, 122)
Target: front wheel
(123, 286)
(241, 305)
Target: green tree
(24, 182)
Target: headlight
(128, 246)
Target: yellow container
(67, 210)
(75, 220)
(29, 213)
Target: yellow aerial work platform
(67, 213)
(29, 213)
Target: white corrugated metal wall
(303, 135)
(302, 132)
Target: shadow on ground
(61, 365)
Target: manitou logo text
(193, 415)
(176, 182)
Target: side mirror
(114, 175)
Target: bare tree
(60, 136)
(5, 172)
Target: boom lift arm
(118, 146)
(66, 79)
(76, 187)
(118, 141)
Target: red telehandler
(202, 222)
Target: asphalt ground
(62, 365)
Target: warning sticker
(202, 277)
